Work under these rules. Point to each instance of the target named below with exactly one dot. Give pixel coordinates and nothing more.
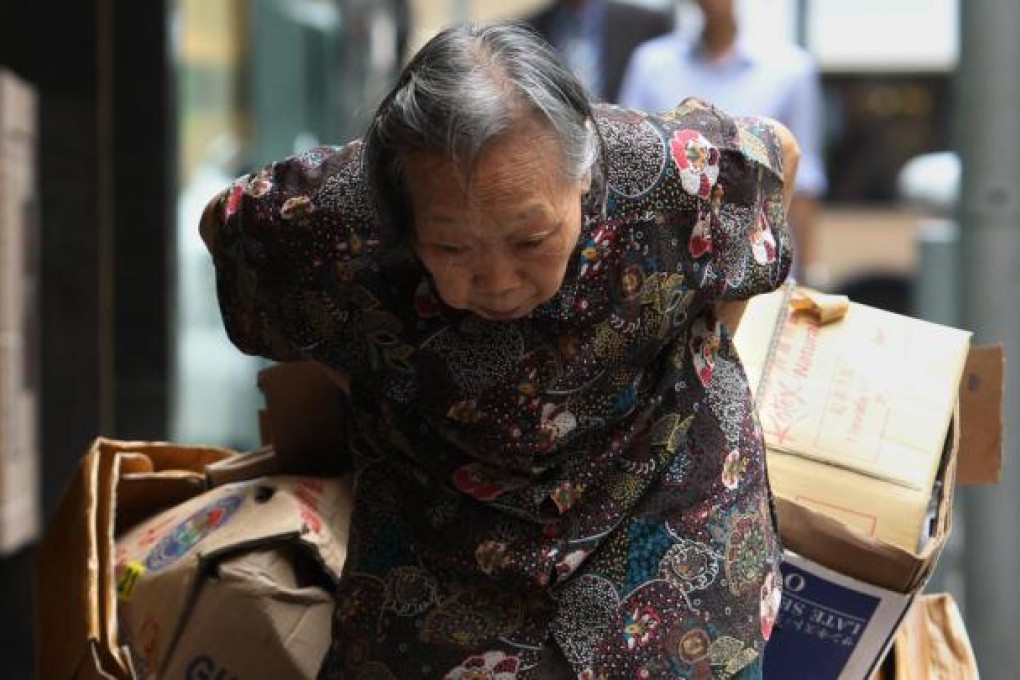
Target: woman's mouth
(500, 314)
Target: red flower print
(703, 345)
(763, 241)
(700, 241)
(260, 184)
(295, 207)
(640, 625)
(566, 495)
(771, 595)
(733, 469)
(425, 301)
(697, 159)
(570, 562)
(492, 665)
(233, 200)
(475, 480)
(557, 421)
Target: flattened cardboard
(255, 603)
(931, 644)
(20, 518)
(119, 485)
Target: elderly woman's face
(501, 247)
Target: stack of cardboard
(19, 458)
(862, 418)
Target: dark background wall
(101, 70)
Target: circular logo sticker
(188, 533)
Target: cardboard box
(235, 582)
(19, 454)
(848, 584)
(854, 412)
(116, 485)
(191, 565)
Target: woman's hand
(791, 158)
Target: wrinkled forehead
(529, 144)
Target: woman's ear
(584, 184)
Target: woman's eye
(449, 248)
(531, 243)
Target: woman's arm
(280, 240)
(730, 312)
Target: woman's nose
(496, 275)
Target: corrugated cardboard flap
(837, 547)
(311, 510)
(841, 548)
(981, 399)
(67, 615)
(276, 595)
(157, 476)
(76, 615)
(931, 644)
(305, 417)
(270, 511)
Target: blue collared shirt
(778, 80)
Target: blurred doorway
(256, 80)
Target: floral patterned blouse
(593, 472)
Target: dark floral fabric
(594, 471)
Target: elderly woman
(558, 468)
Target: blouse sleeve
(285, 241)
(740, 243)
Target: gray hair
(459, 93)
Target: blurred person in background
(558, 472)
(595, 38)
(772, 78)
